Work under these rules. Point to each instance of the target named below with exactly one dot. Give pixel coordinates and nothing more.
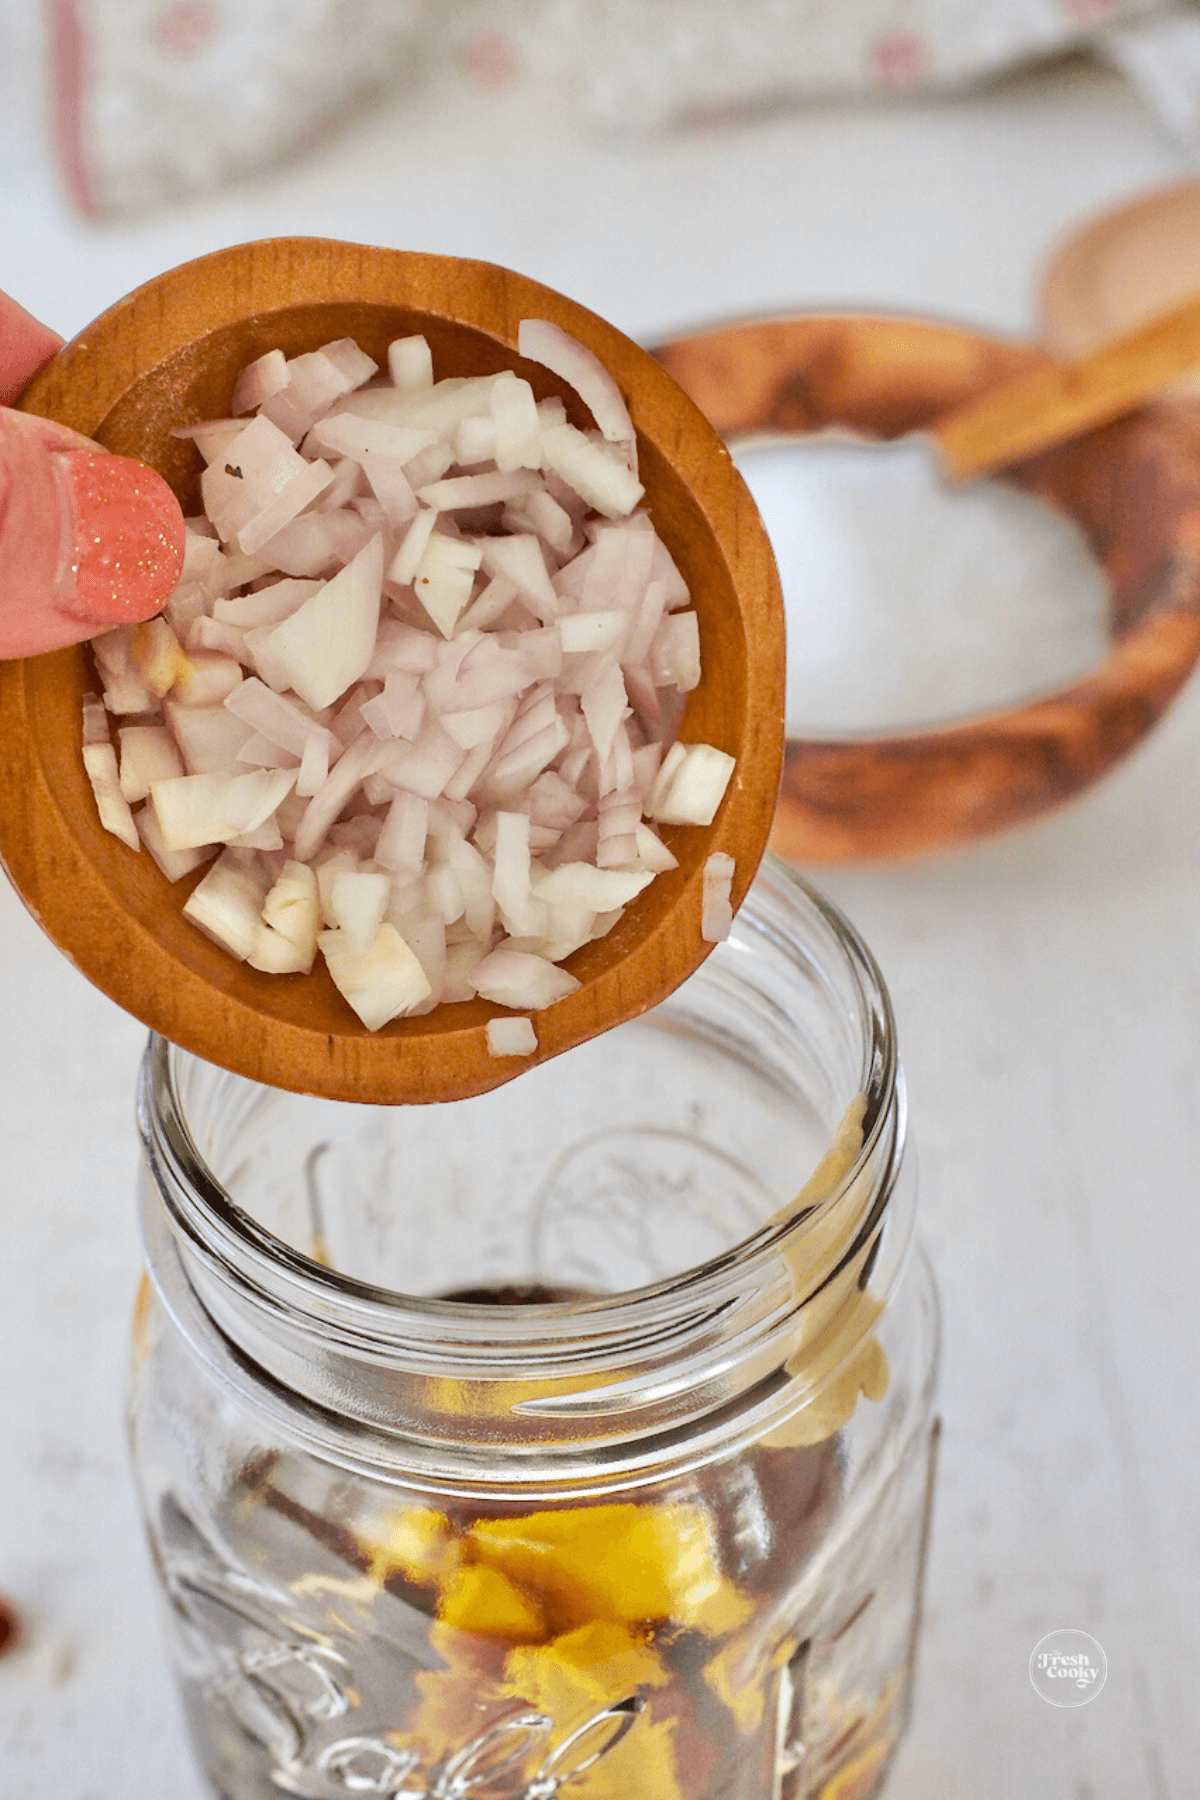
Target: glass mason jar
(576, 1438)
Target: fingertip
(128, 537)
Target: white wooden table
(1047, 984)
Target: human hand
(87, 540)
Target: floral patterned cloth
(155, 98)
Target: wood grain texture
(1050, 405)
(1134, 490)
(168, 355)
(1130, 264)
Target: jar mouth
(231, 1243)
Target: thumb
(87, 540)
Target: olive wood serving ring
(167, 356)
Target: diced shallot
(596, 473)
(690, 785)
(148, 754)
(546, 343)
(418, 684)
(210, 809)
(175, 864)
(100, 761)
(717, 912)
(517, 979)
(227, 904)
(258, 381)
(326, 645)
(512, 1036)
(381, 984)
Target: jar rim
(223, 1233)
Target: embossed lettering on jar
(572, 1439)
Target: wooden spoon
(168, 355)
(1063, 400)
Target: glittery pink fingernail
(128, 550)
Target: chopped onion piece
(511, 882)
(357, 903)
(123, 689)
(717, 916)
(209, 738)
(326, 645)
(329, 799)
(269, 605)
(181, 609)
(517, 978)
(100, 761)
(261, 753)
(333, 863)
(410, 363)
(424, 766)
(352, 363)
(603, 701)
(175, 864)
(652, 853)
(584, 632)
(278, 718)
(412, 546)
(288, 500)
(212, 438)
(401, 845)
(148, 754)
(206, 677)
(444, 577)
(293, 909)
(210, 809)
(492, 604)
(675, 652)
(318, 542)
(511, 1036)
(399, 710)
(256, 465)
(258, 381)
(385, 983)
(690, 788)
(227, 904)
(95, 721)
(315, 381)
(516, 424)
(596, 474)
(548, 344)
(552, 522)
(157, 655)
(520, 560)
(477, 490)
(314, 762)
(366, 440)
(598, 890)
(201, 555)
(275, 955)
(266, 836)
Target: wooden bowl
(1133, 488)
(168, 355)
(1126, 266)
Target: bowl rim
(850, 798)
